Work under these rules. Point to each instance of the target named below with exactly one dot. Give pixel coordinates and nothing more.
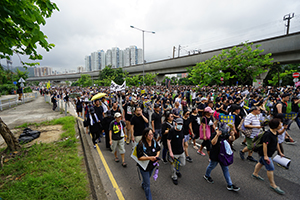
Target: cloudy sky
(82, 27)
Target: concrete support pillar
(260, 78)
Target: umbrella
(98, 96)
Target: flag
(48, 85)
(116, 88)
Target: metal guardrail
(13, 101)
(62, 106)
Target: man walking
(175, 141)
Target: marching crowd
(159, 120)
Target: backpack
(257, 143)
(226, 154)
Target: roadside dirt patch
(48, 134)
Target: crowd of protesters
(157, 118)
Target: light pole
(143, 31)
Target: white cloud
(82, 27)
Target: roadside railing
(62, 106)
(14, 100)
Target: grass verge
(46, 171)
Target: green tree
(85, 80)
(20, 27)
(243, 64)
(283, 71)
(108, 74)
(149, 79)
(20, 74)
(134, 80)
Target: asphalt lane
(192, 185)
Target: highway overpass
(284, 49)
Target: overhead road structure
(285, 49)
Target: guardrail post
(1, 105)
(66, 109)
(35, 94)
(9, 102)
(16, 100)
(58, 105)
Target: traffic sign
(15, 82)
(296, 80)
(21, 80)
(296, 75)
(222, 79)
(22, 85)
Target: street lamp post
(143, 32)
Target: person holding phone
(148, 149)
(270, 144)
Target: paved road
(193, 186)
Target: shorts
(120, 144)
(249, 143)
(270, 166)
(157, 133)
(186, 138)
(207, 144)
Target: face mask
(179, 127)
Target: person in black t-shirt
(150, 147)
(195, 123)
(128, 111)
(165, 128)
(187, 126)
(156, 122)
(270, 144)
(116, 137)
(137, 126)
(105, 125)
(295, 108)
(175, 146)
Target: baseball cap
(156, 105)
(117, 114)
(179, 121)
(203, 99)
(208, 109)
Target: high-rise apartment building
(42, 71)
(121, 58)
(115, 57)
(108, 57)
(127, 57)
(140, 56)
(133, 55)
(97, 59)
(88, 65)
(80, 69)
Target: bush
(27, 89)
(7, 88)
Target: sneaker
(175, 181)
(201, 153)
(189, 159)
(94, 146)
(178, 174)
(242, 155)
(244, 143)
(290, 141)
(233, 188)
(208, 179)
(250, 158)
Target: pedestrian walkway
(35, 111)
(8, 101)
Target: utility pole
(288, 17)
(174, 51)
(178, 51)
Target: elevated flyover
(285, 49)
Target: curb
(96, 186)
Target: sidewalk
(35, 111)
